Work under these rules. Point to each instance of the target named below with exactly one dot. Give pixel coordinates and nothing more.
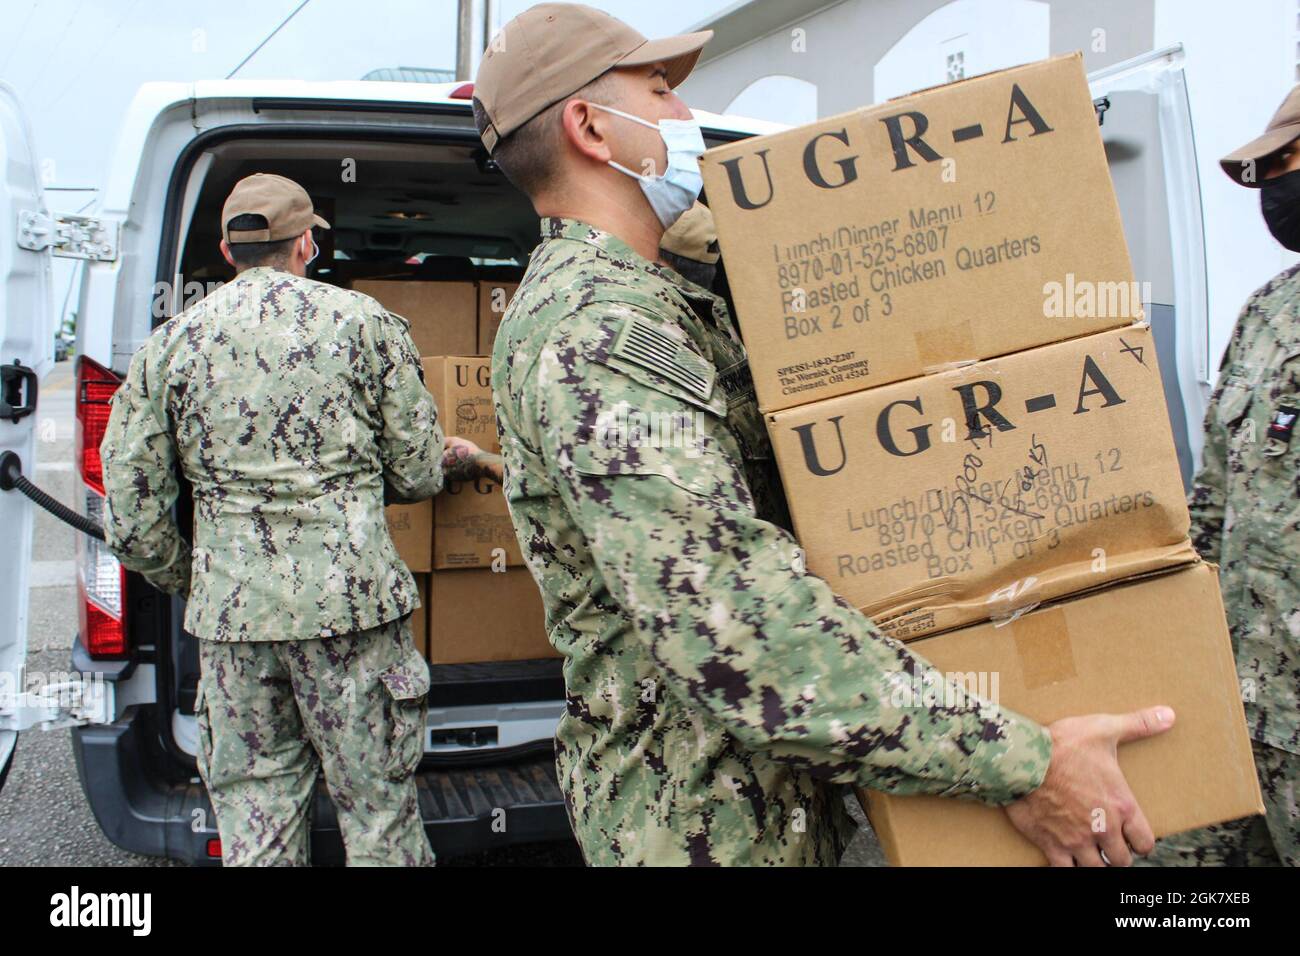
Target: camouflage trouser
(273, 714)
(1270, 840)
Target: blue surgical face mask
(315, 251)
(671, 194)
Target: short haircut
(249, 254)
(528, 155)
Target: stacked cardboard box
(969, 493)
(477, 603)
(940, 313)
(1158, 640)
(485, 606)
(443, 315)
(472, 527)
(899, 239)
(478, 614)
(963, 428)
(411, 529)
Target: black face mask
(1279, 198)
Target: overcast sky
(75, 64)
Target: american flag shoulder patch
(644, 345)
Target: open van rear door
(1147, 128)
(25, 310)
(29, 236)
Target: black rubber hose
(11, 479)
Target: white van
(399, 171)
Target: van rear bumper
(465, 810)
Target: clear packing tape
(930, 348)
(936, 607)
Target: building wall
(843, 42)
(1239, 68)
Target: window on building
(777, 98)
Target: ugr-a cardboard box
(1161, 640)
(962, 222)
(493, 297)
(968, 494)
(484, 615)
(472, 527)
(471, 522)
(443, 315)
(411, 528)
(461, 386)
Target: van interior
(399, 210)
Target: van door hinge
(17, 391)
(71, 703)
(69, 237)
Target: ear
(225, 254)
(302, 250)
(583, 128)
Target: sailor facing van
(288, 404)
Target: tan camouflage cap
(285, 204)
(552, 50)
(1282, 129)
(693, 236)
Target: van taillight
(102, 632)
(463, 92)
(95, 386)
(101, 579)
